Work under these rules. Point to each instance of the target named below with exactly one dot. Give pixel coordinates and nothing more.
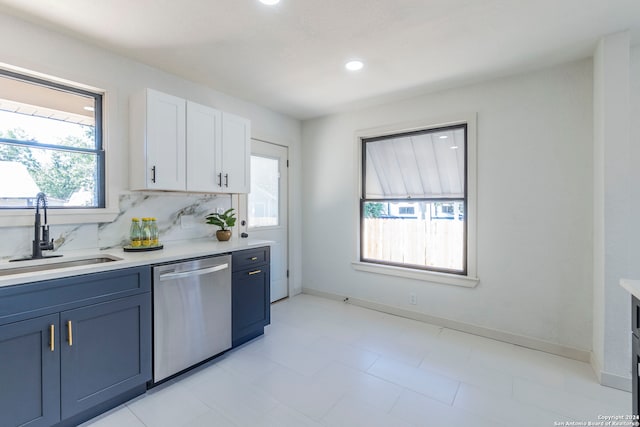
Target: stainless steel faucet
(41, 242)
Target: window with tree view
(50, 142)
(414, 198)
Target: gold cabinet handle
(254, 258)
(70, 332)
(52, 337)
(251, 273)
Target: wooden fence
(436, 243)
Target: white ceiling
(290, 57)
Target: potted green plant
(225, 221)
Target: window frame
(406, 210)
(109, 211)
(469, 277)
(98, 150)
(363, 199)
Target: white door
(264, 210)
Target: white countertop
(633, 286)
(172, 251)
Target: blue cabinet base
(102, 407)
(248, 337)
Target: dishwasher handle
(192, 273)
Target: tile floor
(326, 363)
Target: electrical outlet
(413, 299)
(187, 221)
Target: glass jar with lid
(135, 233)
(146, 232)
(155, 233)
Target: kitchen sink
(49, 265)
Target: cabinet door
(30, 373)
(165, 142)
(106, 350)
(204, 132)
(236, 153)
(250, 303)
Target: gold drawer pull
(70, 332)
(251, 273)
(254, 258)
(52, 337)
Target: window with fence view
(51, 142)
(413, 203)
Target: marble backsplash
(167, 208)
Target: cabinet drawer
(40, 298)
(242, 260)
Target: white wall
(37, 49)
(613, 179)
(535, 185)
(616, 324)
(634, 188)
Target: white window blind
(425, 165)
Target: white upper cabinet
(204, 133)
(179, 145)
(157, 142)
(236, 154)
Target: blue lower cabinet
(88, 351)
(101, 353)
(250, 293)
(30, 372)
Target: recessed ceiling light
(269, 2)
(89, 108)
(443, 137)
(454, 147)
(354, 65)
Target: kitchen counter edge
(632, 286)
(173, 251)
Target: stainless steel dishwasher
(191, 313)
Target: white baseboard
(615, 381)
(533, 343)
(608, 379)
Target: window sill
(410, 273)
(24, 217)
